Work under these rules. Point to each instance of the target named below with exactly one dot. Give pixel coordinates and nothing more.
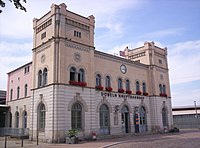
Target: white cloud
(163, 33)
(18, 24)
(184, 59)
(13, 55)
(183, 98)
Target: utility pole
(196, 116)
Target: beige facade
(79, 87)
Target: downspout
(56, 54)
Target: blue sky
(174, 24)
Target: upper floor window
(43, 35)
(81, 75)
(11, 94)
(120, 83)
(72, 74)
(45, 76)
(18, 92)
(108, 82)
(144, 87)
(164, 89)
(77, 34)
(160, 61)
(26, 69)
(25, 90)
(127, 84)
(137, 85)
(160, 89)
(98, 80)
(40, 78)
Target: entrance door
(125, 118)
(143, 122)
(104, 120)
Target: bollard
(22, 143)
(5, 146)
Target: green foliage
(17, 4)
(72, 133)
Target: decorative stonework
(77, 57)
(43, 57)
(77, 24)
(79, 99)
(104, 101)
(76, 46)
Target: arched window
(18, 92)
(144, 87)
(41, 116)
(160, 89)
(137, 85)
(10, 121)
(142, 116)
(17, 119)
(127, 84)
(72, 74)
(104, 119)
(164, 89)
(98, 80)
(120, 83)
(45, 76)
(81, 75)
(76, 116)
(11, 94)
(24, 119)
(107, 81)
(25, 90)
(164, 117)
(40, 78)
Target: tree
(17, 4)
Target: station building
(71, 85)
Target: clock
(123, 69)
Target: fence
(14, 132)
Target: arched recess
(78, 99)
(125, 102)
(104, 101)
(142, 104)
(82, 67)
(39, 101)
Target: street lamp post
(196, 116)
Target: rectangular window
(26, 70)
(77, 34)
(43, 35)
(160, 61)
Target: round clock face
(123, 69)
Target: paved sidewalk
(181, 139)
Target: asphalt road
(183, 139)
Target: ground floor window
(164, 117)
(42, 116)
(17, 119)
(76, 116)
(104, 119)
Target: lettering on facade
(116, 95)
(137, 55)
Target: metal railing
(15, 132)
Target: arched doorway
(104, 119)
(164, 117)
(143, 119)
(125, 118)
